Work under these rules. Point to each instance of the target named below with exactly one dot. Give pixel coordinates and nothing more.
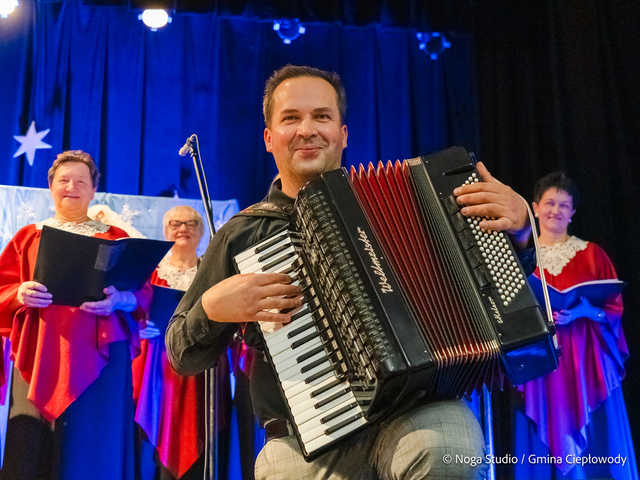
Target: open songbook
(76, 268)
(598, 292)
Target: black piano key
(301, 313)
(278, 261)
(304, 340)
(339, 412)
(309, 354)
(270, 244)
(314, 364)
(343, 423)
(299, 330)
(287, 310)
(329, 386)
(272, 253)
(319, 374)
(340, 393)
(292, 268)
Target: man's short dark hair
(560, 181)
(294, 71)
(75, 156)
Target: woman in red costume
(577, 412)
(169, 407)
(71, 415)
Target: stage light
(288, 30)
(155, 18)
(432, 43)
(7, 7)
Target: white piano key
(323, 440)
(281, 351)
(257, 267)
(293, 332)
(285, 342)
(253, 265)
(311, 415)
(293, 377)
(302, 386)
(250, 252)
(305, 394)
(284, 348)
(283, 363)
(296, 368)
(280, 267)
(285, 359)
(315, 427)
(280, 335)
(307, 403)
(245, 260)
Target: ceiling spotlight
(288, 30)
(154, 18)
(7, 7)
(432, 43)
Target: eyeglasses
(176, 224)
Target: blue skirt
(608, 435)
(95, 434)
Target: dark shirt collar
(278, 197)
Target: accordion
(404, 296)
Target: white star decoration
(31, 142)
(128, 213)
(27, 212)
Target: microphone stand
(210, 375)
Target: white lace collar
(88, 228)
(177, 278)
(556, 256)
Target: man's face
(306, 135)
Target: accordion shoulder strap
(265, 209)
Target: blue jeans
(414, 445)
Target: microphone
(186, 148)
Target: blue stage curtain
(102, 82)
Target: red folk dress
(572, 404)
(169, 406)
(59, 350)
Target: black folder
(164, 303)
(76, 268)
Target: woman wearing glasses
(169, 407)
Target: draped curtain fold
(558, 89)
(104, 83)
